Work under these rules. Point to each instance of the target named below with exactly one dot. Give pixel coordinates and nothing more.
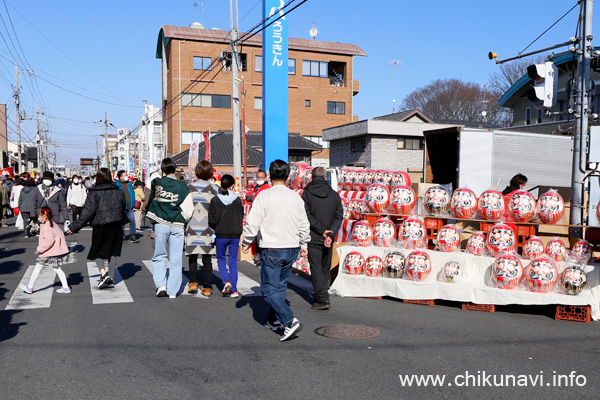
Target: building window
(187, 137)
(358, 144)
(258, 103)
(410, 143)
(539, 116)
(242, 61)
(318, 140)
(528, 116)
(336, 107)
(202, 63)
(205, 100)
(306, 103)
(314, 68)
(257, 63)
(291, 66)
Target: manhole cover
(350, 332)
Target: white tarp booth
(474, 287)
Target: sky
(94, 57)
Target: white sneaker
(171, 296)
(161, 291)
(294, 327)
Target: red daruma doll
(379, 177)
(373, 266)
(388, 178)
(491, 205)
(354, 263)
(501, 239)
(507, 271)
(463, 203)
(297, 172)
(556, 249)
(384, 232)
(350, 175)
(476, 243)
(582, 252)
(412, 233)
(401, 178)
(522, 206)
(541, 274)
(378, 198)
(362, 234)
(357, 208)
(359, 179)
(448, 238)
(418, 265)
(403, 199)
(550, 207)
(534, 247)
(369, 178)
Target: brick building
(196, 84)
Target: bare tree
(509, 73)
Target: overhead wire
(551, 26)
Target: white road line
(42, 292)
(118, 294)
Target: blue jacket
(131, 201)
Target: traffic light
(544, 84)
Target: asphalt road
(217, 348)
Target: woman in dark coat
(25, 200)
(105, 208)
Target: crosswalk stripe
(118, 294)
(42, 295)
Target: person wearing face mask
(76, 196)
(49, 195)
(261, 184)
(125, 185)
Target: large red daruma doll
(448, 238)
(378, 198)
(350, 175)
(354, 262)
(359, 180)
(403, 199)
(384, 232)
(373, 266)
(491, 205)
(582, 252)
(436, 200)
(362, 234)
(522, 206)
(401, 178)
(412, 233)
(507, 271)
(556, 249)
(476, 243)
(356, 208)
(534, 247)
(297, 172)
(463, 203)
(541, 274)
(501, 239)
(418, 265)
(550, 207)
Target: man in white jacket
(279, 220)
(76, 196)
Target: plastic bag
(448, 239)
(534, 247)
(573, 280)
(19, 223)
(378, 197)
(393, 264)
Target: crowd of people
(197, 219)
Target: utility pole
(582, 112)
(106, 153)
(17, 102)
(38, 139)
(235, 97)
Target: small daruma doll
(436, 200)
(297, 172)
(369, 178)
(373, 266)
(453, 272)
(362, 234)
(412, 233)
(384, 232)
(343, 177)
(354, 263)
(448, 238)
(491, 205)
(501, 239)
(541, 274)
(582, 252)
(522, 206)
(507, 271)
(359, 180)
(550, 207)
(556, 249)
(534, 247)
(307, 177)
(346, 208)
(388, 178)
(403, 199)
(573, 280)
(418, 265)
(394, 264)
(378, 198)
(357, 208)
(476, 243)
(463, 203)
(379, 177)
(350, 174)
(401, 178)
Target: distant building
(196, 84)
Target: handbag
(137, 205)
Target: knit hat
(48, 175)
(2, 177)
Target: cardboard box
(335, 260)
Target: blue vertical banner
(275, 83)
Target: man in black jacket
(324, 210)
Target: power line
(551, 26)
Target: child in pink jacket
(52, 251)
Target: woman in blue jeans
(225, 216)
